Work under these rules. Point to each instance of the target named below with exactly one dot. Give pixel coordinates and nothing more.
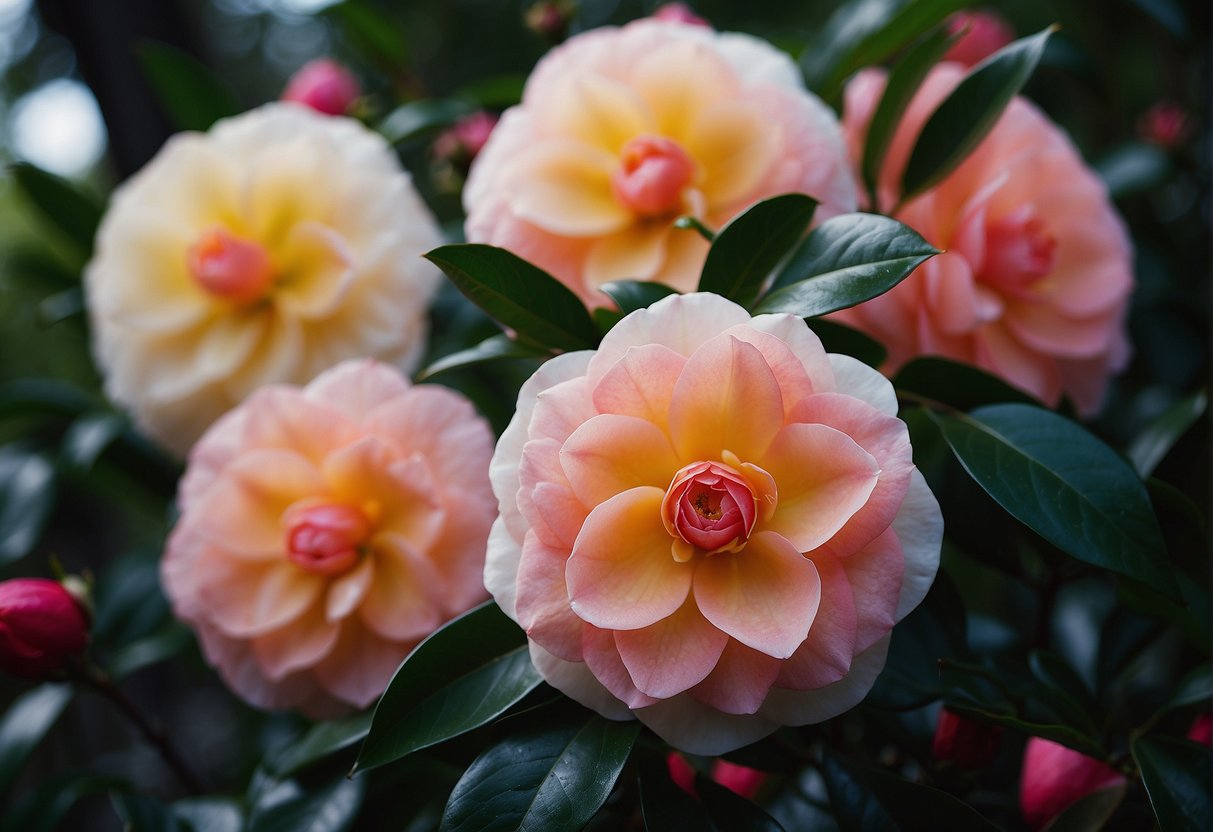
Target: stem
(100, 683)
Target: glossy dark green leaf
(141, 813)
(62, 203)
(331, 808)
(1196, 687)
(24, 724)
(630, 295)
(866, 32)
(61, 306)
(553, 779)
(909, 803)
(844, 261)
(1176, 774)
(496, 92)
(188, 92)
(464, 675)
(42, 397)
(856, 809)
(729, 810)
(904, 80)
(1133, 168)
(1066, 485)
(747, 250)
(418, 117)
(965, 117)
(168, 641)
(1091, 812)
(210, 814)
(318, 742)
(1063, 734)
(664, 806)
(836, 337)
(961, 386)
(520, 296)
(1061, 689)
(493, 348)
(605, 319)
(27, 495)
(372, 33)
(43, 808)
(87, 439)
(1153, 443)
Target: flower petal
(803, 707)
(610, 454)
(637, 252)
(919, 529)
(359, 667)
(825, 656)
(602, 657)
(874, 574)
(701, 729)
(641, 384)
(564, 187)
(542, 605)
(297, 646)
(398, 606)
(740, 682)
(346, 592)
(243, 600)
(578, 682)
(676, 653)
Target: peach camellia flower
(622, 130)
(324, 531)
(709, 523)
(1037, 269)
(267, 250)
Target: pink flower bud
(463, 141)
(550, 18)
(741, 780)
(1202, 730)
(41, 627)
(1166, 124)
(679, 13)
(1054, 777)
(325, 86)
(987, 33)
(966, 742)
(652, 173)
(712, 507)
(229, 267)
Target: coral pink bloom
(1054, 777)
(1036, 271)
(709, 523)
(985, 32)
(324, 85)
(324, 531)
(621, 131)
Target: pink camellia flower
(324, 531)
(741, 780)
(623, 130)
(1036, 272)
(985, 32)
(679, 13)
(964, 741)
(267, 250)
(42, 625)
(1166, 124)
(709, 523)
(1054, 777)
(324, 85)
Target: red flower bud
(679, 13)
(742, 780)
(325, 86)
(966, 742)
(1201, 730)
(41, 627)
(985, 33)
(1054, 777)
(1166, 125)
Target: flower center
(1019, 252)
(713, 506)
(325, 538)
(652, 173)
(230, 267)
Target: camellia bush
(668, 420)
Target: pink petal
(610, 454)
(633, 253)
(346, 591)
(999, 351)
(701, 729)
(399, 606)
(765, 596)
(825, 656)
(803, 707)
(741, 680)
(727, 398)
(545, 497)
(244, 600)
(359, 667)
(874, 574)
(789, 370)
(542, 601)
(919, 530)
(666, 658)
(564, 187)
(621, 575)
(578, 682)
(641, 384)
(602, 657)
(357, 387)
(283, 417)
(297, 646)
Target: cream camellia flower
(267, 250)
(1035, 278)
(324, 531)
(621, 131)
(709, 523)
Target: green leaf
(909, 803)
(321, 740)
(496, 92)
(1063, 734)
(965, 117)
(1133, 168)
(856, 809)
(493, 348)
(1196, 687)
(1066, 485)
(1091, 812)
(552, 779)
(141, 813)
(866, 32)
(24, 724)
(1176, 774)
(464, 675)
(630, 295)
(961, 386)
(60, 202)
(331, 808)
(1062, 690)
(87, 439)
(27, 495)
(844, 261)
(520, 296)
(43, 397)
(210, 814)
(747, 250)
(43, 808)
(836, 337)
(732, 811)
(904, 80)
(170, 639)
(372, 33)
(1152, 444)
(411, 120)
(187, 91)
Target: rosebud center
(652, 174)
(1019, 252)
(327, 538)
(229, 267)
(713, 507)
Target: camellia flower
(965, 741)
(709, 523)
(267, 250)
(1036, 272)
(42, 625)
(623, 130)
(1054, 777)
(324, 531)
(324, 85)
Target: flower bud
(1201, 730)
(984, 34)
(42, 625)
(964, 741)
(1054, 777)
(741, 780)
(1165, 125)
(550, 19)
(462, 141)
(324, 85)
(679, 13)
